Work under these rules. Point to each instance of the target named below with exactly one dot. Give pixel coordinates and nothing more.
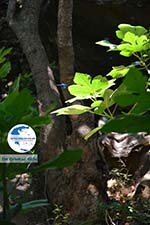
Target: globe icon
(21, 138)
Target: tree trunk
(23, 19)
(24, 22)
(65, 43)
(80, 188)
(77, 189)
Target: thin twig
(107, 215)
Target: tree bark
(80, 188)
(65, 44)
(24, 22)
(23, 19)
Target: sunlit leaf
(100, 84)
(82, 79)
(72, 110)
(118, 71)
(124, 28)
(82, 86)
(130, 37)
(86, 87)
(106, 103)
(92, 132)
(106, 44)
(96, 103)
(80, 91)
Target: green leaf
(106, 103)
(5, 112)
(118, 71)
(4, 52)
(18, 103)
(128, 93)
(143, 103)
(28, 206)
(2, 60)
(128, 124)
(92, 132)
(125, 99)
(66, 159)
(82, 86)
(100, 84)
(134, 39)
(133, 43)
(133, 77)
(124, 28)
(16, 85)
(96, 104)
(126, 53)
(108, 98)
(81, 91)
(82, 79)
(130, 37)
(126, 49)
(86, 87)
(5, 69)
(72, 110)
(14, 107)
(138, 43)
(36, 121)
(143, 41)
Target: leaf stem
(114, 110)
(130, 111)
(110, 116)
